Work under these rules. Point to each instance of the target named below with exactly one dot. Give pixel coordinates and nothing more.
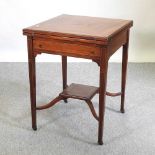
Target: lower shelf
(76, 91)
(79, 91)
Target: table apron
(117, 41)
(89, 51)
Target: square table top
(83, 27)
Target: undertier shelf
(79, 91)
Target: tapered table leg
(102, 94)
(64, 73)
(32, 79)
(124, 72)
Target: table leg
(64, 73)
(102, 94)
(32, 79)
(124, 72)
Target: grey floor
(70, 129)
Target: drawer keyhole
(40, 46)
(92, 52)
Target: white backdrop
(18, 14)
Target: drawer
(66, 48)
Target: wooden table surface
(83, 27)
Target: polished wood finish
(113, 94)
(102, 91)
(83, 37)
(79, 28)
(52, 103)
(64, 73)
(66, 48)
(124, 70)
(79, 91)
(117, 41)
(90, 104)
(32, 79)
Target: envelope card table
(81, 37)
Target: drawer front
(66, 48)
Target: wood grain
(66, 48)
(94, 29)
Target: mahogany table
(83, 37)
